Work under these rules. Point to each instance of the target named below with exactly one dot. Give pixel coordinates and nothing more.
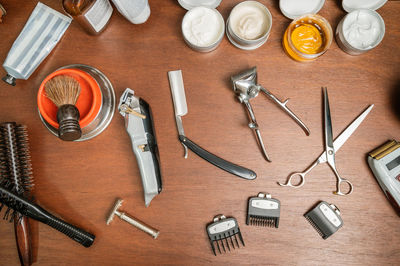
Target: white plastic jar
(360, 31)
(203, 28)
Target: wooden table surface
(80, 181)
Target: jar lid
(351, 5)
(189, 4)
(296, 8)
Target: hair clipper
(139, 125)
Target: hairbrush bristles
(15, 163)
(62, 90)
(15, 159)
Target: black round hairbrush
(16, 175)
(64, 92)
(15, 183)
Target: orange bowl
(88, 104)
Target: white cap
(351, 5)
(296, 8)
(189, 4)
(143, 16)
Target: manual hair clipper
(245, 87)
(139, 125)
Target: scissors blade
(344, 136)
(328, 122)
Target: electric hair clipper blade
(263, 211)
(140, 127)
(325, 218)
(220, 230)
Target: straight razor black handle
(217, 161)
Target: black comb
(263, 211)
(325, 218)
(16, 170)
(34, 211)
(220, 230)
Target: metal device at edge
(139, 125)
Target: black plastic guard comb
(263, 211)
(34, 211)
(325, 218)
(220, 230)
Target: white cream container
(363, 28)
(203, 28)
(249, 25)
(360, 31)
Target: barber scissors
(331, 147)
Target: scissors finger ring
(289, 181)
(339, 186)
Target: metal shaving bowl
(106, 112)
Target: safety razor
(245, 87)
(140, 128)
(179, 99)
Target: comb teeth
(264, 221)
(263, 211)
(315, 226)
(222, 243)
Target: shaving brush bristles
(64, 92)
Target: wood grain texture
(80, 181)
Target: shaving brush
(64, 91)
(16, 174)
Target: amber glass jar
(307, 38)
(92, 15)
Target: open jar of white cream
(360, 31)
(203, 28)
(249, 25)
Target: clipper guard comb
(263, 211)
(325, 218)
(220, 230)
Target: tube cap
(9, 80)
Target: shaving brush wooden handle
(64, 91)
(68, 121)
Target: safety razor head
(220, 230)
(325, 218)
(117, 204)
(263, 211)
